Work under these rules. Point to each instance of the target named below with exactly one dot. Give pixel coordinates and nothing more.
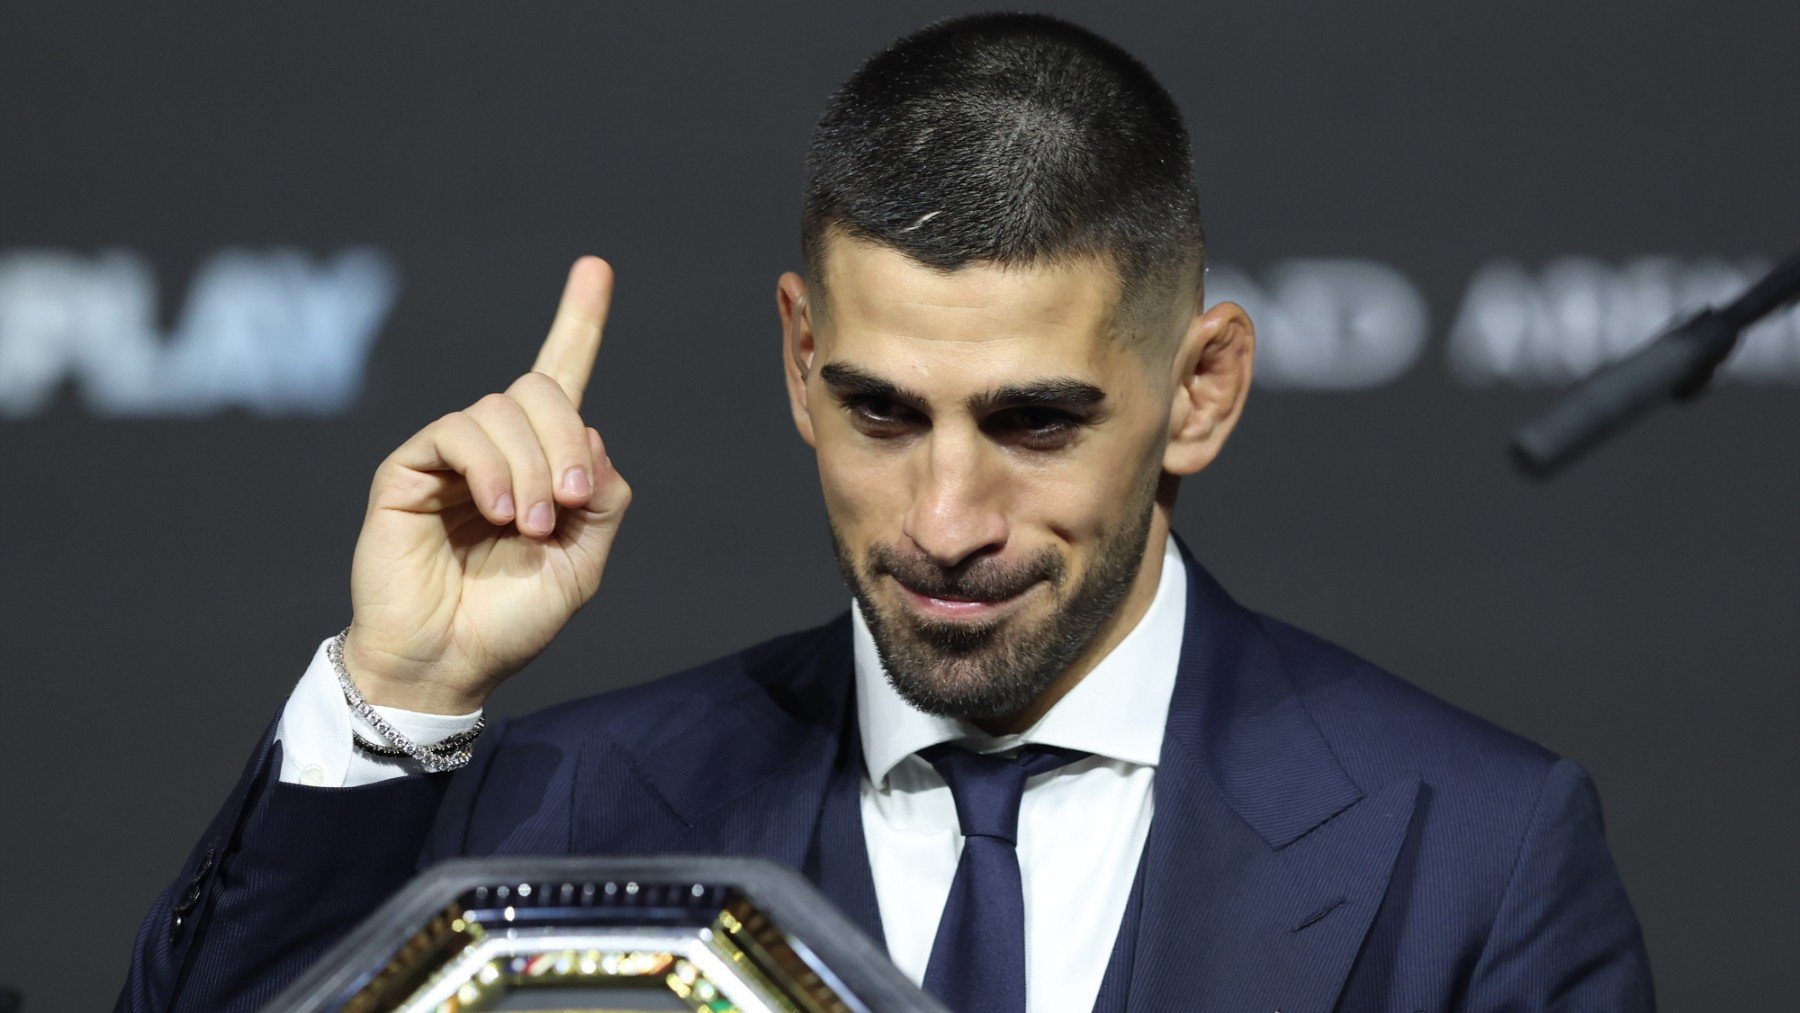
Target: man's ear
(798, 343)
(1212, 379)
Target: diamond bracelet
(446, 747)
(429, 757)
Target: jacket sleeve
(1565, 937)
(281, 873)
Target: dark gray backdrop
(167, 578)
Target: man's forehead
(876, 292)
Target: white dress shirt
(1076, 884)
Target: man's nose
(957, 508)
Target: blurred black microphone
(1676, 363)
(10, 1001)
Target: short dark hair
(1016, 139)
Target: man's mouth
(958, 609)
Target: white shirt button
(312, 774)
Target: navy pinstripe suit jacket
(1326, 836)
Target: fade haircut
(1012, 139)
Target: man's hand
(488, 528)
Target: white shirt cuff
(316, 724)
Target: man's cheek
(1074, 507)
(858, 491)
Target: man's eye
(1038, 428)
(878, 416)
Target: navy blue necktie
(978, 958)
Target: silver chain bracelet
(443, 748)
(456, 750)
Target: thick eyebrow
(1053, 392)
(1057, 391)
(847, 380)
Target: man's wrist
(392, 738)
(407, 694)
(318, 727)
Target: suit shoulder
(1380, 725)
(619, 713)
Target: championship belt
(620, 935)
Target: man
(1045, 759)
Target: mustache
(981, 579)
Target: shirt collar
(1118, 710)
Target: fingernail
(575, 482)
(504, 505)
(541, 518)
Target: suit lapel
(772, 768)
(1265, 862)
(839, 860)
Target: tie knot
(988, 787)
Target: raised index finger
(568, 352)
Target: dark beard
(978, 672)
